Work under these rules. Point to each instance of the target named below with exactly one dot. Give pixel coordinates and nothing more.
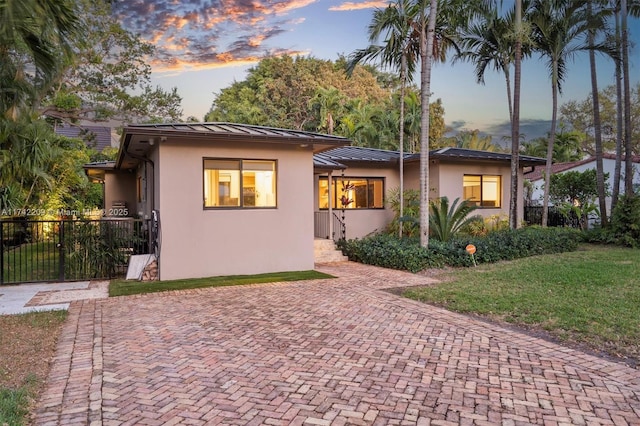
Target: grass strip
(590, 296)
(128, 287)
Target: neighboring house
(536, 177)
(96, 137)
(238, 199)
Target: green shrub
(625, 221)
(410, 215)
(406, 254)
(391, 252)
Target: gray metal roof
(232, 129)
(464, 154)
(350, 154)
(362, 154)
(323, 161)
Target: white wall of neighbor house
(608, 165)
(199, 242)
(361, 222)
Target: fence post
(61, 250)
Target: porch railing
(321, 226)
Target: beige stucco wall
(119, 186)
(198, 243)
(451, 178)
(412, 177)
(361, 222)
(444, 179)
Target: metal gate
(68, 250)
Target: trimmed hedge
(406, 254)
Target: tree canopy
(311, 94)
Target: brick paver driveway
(319, 352)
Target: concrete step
(325, 252)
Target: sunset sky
(204, 45)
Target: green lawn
(126, 288)
(591, 296)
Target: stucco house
(536, 177)
(240, 199)
(479, 176)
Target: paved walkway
(325, 352)
(23, 298)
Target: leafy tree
(408, 216)
(108, 75)
(625, 221)
(363, 107)
(279, 91)
(576, 192)
(34, 37)
(41, 170)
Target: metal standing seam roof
(372, 155)
(472, 154)
(322, 161)
(363, 154)
(233, 129)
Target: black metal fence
(533, 216)
(67, 250)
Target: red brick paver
(326, 352)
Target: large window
(239, 183)
(483, 190)
(352, 193)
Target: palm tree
(447, 221)
(557, 30)
(400, 50)
(597, 122)
(489, 43)
(328, 102)
(515, 117)
(40, 32)
(427, 37)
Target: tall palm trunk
(552, 139)
(403, 83)
(615, 191)
(597, 124)
(514, 115)
(427, 36)
(628, 164)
